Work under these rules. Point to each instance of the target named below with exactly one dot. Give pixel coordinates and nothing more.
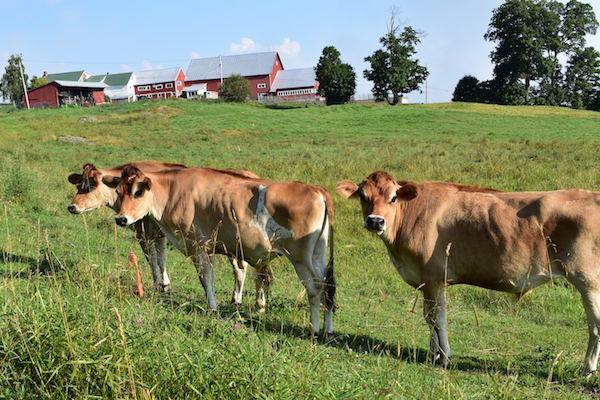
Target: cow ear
(111, 181)
(347, 189)
(147, 183)
(75, 179)
(408, 191)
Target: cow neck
(160, 197)
(400, 223)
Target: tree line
(540, 58)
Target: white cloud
(147, 65)
(246, 45)
(195, 54)
(288, 47)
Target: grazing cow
(92, 193)
(205, 211)
(440, 234)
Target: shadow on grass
(45, 264)
(285, 106)
(359, 343)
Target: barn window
(159, 86)
(143, 88)
(178, 83)
(169, 85)
(261, 85)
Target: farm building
(76, 76)
(62, 93)
(159, 83)
(295, 84)
(259, 68)
(120, 86)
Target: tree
(582, 79)
(37, 82)
(530, 36)
(235, 88)
(11, 85)
(337, 80)
(394, 71)
(467, 89)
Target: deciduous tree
(337, 80)
(235, 88)
(11, 85)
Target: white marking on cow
(265, 223)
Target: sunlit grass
(72, 326)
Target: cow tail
(329, 276)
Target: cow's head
(134, 190)
(379, 196)
(91, 192)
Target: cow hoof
(261, 310)
(165, 288)
(329, 337)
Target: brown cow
(92, 193)
(440, 234)
(205, 211)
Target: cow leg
(239, 273)
(326, 276)
(206, 274)
(161, 250)
(142, 235)
(313, 286)
(262, 279)
(434, 311)
(591, 303)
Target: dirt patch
(74, 139)
(88, 119)
(239, 132)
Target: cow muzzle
(375, 223)
(121, 220)
(72, 208)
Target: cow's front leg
(161, 251)
(434, 311)
(206, 273)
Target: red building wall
(44, 96)
(98, 96)
(213, 85)
(153, 91)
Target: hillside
(64, 278)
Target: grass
(72, 326)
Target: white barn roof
(294, 78)
(156, 76)
(92, 85)
(242, 64)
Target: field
(73, 327)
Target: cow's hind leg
(591, 303)
(325, 275)
(206, 272)
(313, 285)
(262, 279)
(239, 273)
(434, 311)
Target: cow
(439, 234)
(92, 193)
(205, 211)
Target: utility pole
(24, 85)
(221, 68)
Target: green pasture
(72, 327)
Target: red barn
(259, 69)
(159, 83)
(62, 93)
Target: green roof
(95, 78)
(118, 79)
(65, 76)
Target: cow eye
(394, 198)
(138, 193)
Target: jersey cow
(92, 193)
(439, 234)
(205, 211)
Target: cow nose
(375, 222)
(121, 220)
(71, 208)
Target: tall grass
(72, 325)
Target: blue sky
(111, 36)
